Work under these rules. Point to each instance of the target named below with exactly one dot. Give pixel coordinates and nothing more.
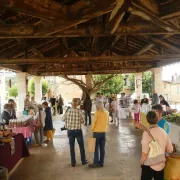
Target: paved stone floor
(52, 162)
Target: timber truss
(75, 37)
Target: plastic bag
(91, 144)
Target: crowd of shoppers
(105, 107)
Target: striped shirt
(73, 119)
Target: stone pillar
(22, 91)
(2, 92)
(157, 80)
(38, 88)
(138, 85)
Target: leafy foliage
(13, 91)
(173, 118)
(112, 86)
(147, 83)
(31, 86)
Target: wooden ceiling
(73, 37)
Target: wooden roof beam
(118, 14)
(78, 13)
(170, 10)
(27, 31)
(36, 8)
(85, 69)
(90, 59)
(124, 71)
(138, 10)
(151, 5)
(149, 46)
(164, 44)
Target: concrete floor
(52, 162)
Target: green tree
(13, 91)
(31, 86)
(146, 82)
(98, 82)
(132, 83)
(112, 86)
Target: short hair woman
(154, 171)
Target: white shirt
(107, 106)
(99, 99)
(115, 105)
(136, 108)
(43, 116)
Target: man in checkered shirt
(73, 120)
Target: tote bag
(91, 144)
(156, 154)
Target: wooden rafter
(91, 59)
(170, 9)
(28, 31)
(138, 10)
(38, 8)
(77, 14)
(164, 44)
(117, 14)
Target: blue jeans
(72, 135)
(100, 145)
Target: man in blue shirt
(162, 123)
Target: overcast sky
(170, 70)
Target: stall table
(27, 130)
(9, 161)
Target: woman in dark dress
(164, 102)
(48, 123)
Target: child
(48, 128)
(39, 130)
(136, 108)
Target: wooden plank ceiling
(54, 37)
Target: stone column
(157, 80)
(38, 88)
(138, 85)
(22, 91)
(2, 91)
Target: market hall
(76, 37)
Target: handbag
(156, 154)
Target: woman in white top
(115, 111)
(39, 130)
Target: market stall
(24, 125)
(12, 152)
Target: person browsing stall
(39, 126)
(48, 128)
(5, 114)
